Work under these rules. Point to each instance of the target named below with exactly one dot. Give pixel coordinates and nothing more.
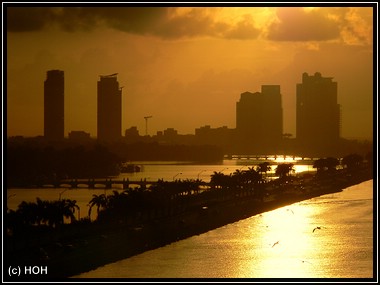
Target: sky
(185, 66)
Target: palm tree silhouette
(98, 201)
(252, 175)
(284, 169)
(68, 207)
(217, 179)
(264, 167)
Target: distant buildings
(54, 105)
(79, 136)
(259, 120)
(132, 132)
(222, 136)
(109, 109)
(318, 113)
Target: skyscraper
(318, 113)
(259, 119)
(109, 108)
(54, 105)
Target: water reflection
(342, 248)
(288, 243)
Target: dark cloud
(28, 19)
(157, 21)
(129, 19)
(296, 24)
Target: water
(342, 248)
(152, 171)
(276, 244)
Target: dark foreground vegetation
(136, 220)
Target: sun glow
(287, 242)
(309, 9)
(260, 15)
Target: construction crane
(146, 124)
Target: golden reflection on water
(288, 243)
(341, 248)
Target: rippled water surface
(325, 237)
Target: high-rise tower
(318, 113)
(259, 119)
(54, 105)
(109, 108)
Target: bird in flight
(290, 211)
(275, 243)
(316, 228)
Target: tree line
(166, 198)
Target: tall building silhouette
(318, 113)
(109, 108)
(259, 119)
(54, 105)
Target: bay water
(330, 236)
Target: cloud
(163, 22)
(28, 19)
(132, 19)
(297, 24)
(244, 29)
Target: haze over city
(186, 67)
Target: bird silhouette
(275, 243)
(290, 211)
(316, 228)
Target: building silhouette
(79, 136)
(54, 105)
(109, 109)
(259, 120)
(317, 114)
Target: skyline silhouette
(259, 120)
(258, 114)
(186, 67)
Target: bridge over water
(97, 183)
(270, 157)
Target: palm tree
(217, 179)
(98, 201)
(69, 207)
(238, 177)
(252, 176)
(41, 211)
(54, 213)
(27, 212)
(284, 169)
(263, 167)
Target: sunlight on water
(278, 244)
(288, 242)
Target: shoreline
(94, 245)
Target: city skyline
(259, 116)
(179, 75)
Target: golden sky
(186, 66)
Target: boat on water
(129, 168)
